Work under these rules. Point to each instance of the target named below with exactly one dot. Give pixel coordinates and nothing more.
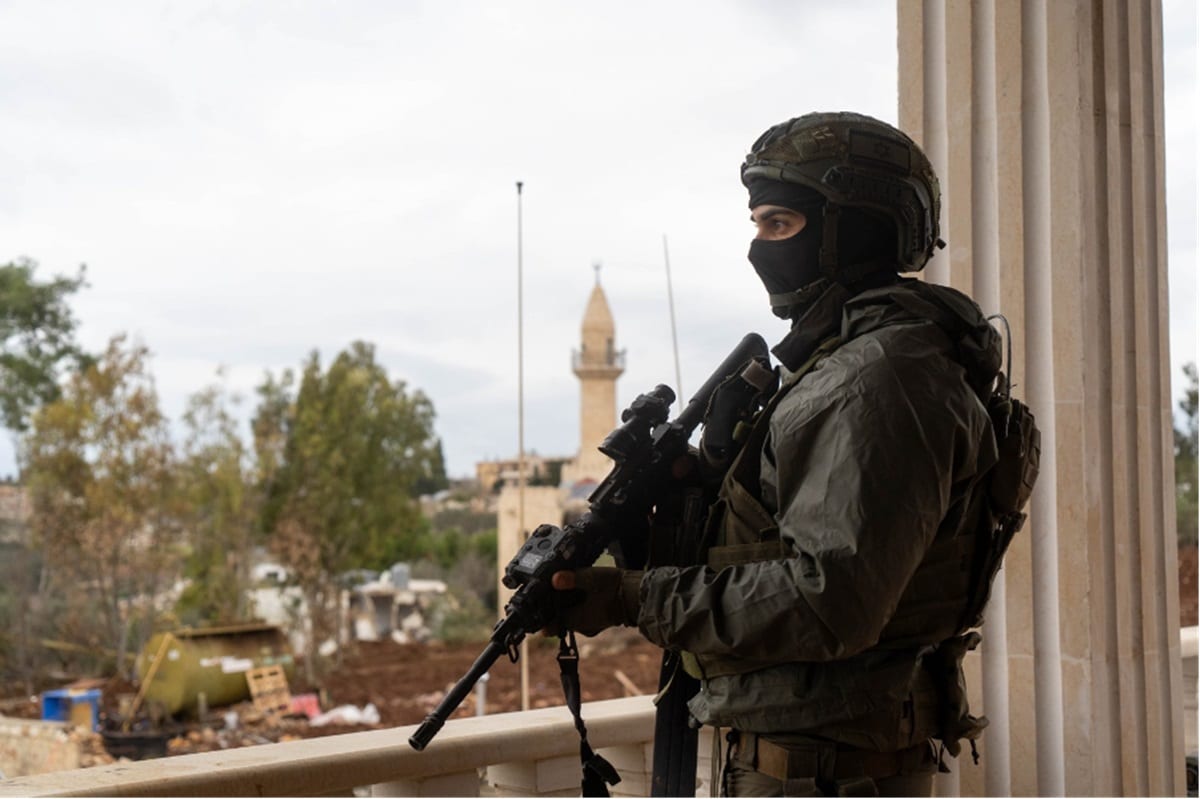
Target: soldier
(826, 625)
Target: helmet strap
(829, 237)
(790, 303)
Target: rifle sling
(598, 773)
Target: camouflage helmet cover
(858, 161)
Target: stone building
(493, 474)
(14, 511)
(597, 363)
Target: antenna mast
(671, 305)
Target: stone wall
(542, 505)
(14, 511)
(36, 747)
(14, 502)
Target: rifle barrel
(454, 697)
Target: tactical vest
(949, 590)
(939, 596)
(739, 528)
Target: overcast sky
(249, 181)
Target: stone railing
(610, 361)
(535, 753)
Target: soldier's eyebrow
(774, 212)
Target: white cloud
(249, 181)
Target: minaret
(597, 364)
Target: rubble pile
(91, 747)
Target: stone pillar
(1044, 121)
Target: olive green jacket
(865, 460)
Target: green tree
(465, 519)
(1185, 461)
(20, 569)
(98, 466)
(270, 427)
(340, 491)
(433, 477)
(219, 507)
(37, 339)
(36, 342)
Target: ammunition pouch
(944, 665)
(1009, 486)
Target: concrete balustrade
(533, 753)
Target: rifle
(644, 448)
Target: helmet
(855, 161)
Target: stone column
(1044, 121)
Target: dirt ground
(1189, 597)
(405, 682)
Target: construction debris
(377, 684)
(348, 714)
(269, 691)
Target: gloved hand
(598, 597)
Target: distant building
(392, 605)
(597, 363)
(375, 605)
(539, 470)
(14, 512)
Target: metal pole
(936, 123)
(674, 337)
(521, 426)
(481, 695)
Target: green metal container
(212, 662)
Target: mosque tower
(597, 364)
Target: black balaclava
(790, 269)
(789, 265)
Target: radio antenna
(523, 531)
(671, 305)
